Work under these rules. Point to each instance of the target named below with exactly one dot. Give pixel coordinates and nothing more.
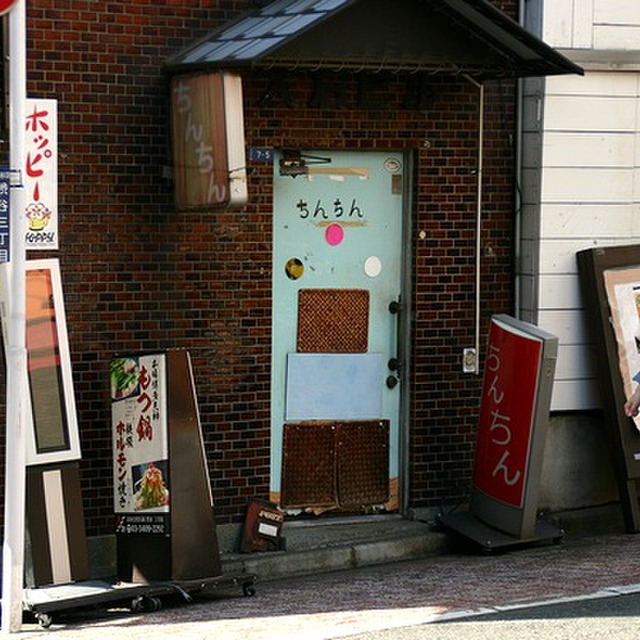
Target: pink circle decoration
(334, 234)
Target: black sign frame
(593, 264)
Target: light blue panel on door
(334, 386)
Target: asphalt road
(614, 617)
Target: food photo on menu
(150, 490)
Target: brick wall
(138, 275)
(445, 400)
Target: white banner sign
(41, 174)
(140, 438)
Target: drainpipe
(517, 223)
(474, 367)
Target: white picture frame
(46, 441)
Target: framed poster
(610, 278)
(623, 294)
(52, 433)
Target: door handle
(394, 364)
(395, 306)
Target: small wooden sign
(208, 140)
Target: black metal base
(471, 529)
(44, 602)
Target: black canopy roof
(437, 36)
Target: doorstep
(334, 544)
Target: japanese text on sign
(500, 424)
(506, 415)
(200, 146)
(336, 209)
(140, 446)
(41, 174)
(5, 199)
(142, 525)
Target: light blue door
(337, 272)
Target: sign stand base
(45, 603)
(489, 539)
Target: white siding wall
(580, 177)
(590, 24)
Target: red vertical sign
(506, 414)
(6, 5)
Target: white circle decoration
(373, 266)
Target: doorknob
(392, 381)
(394, 364)
(395, 307)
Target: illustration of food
(152, 492)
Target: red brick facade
(137, 275)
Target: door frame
(405, 333)
(404, 318)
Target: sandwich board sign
(516, 395)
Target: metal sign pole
(16, 388)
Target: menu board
(140, 444)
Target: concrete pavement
(426, 596)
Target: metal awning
(472, 37)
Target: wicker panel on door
(333, 320)
(308, 465)
(363, 463)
